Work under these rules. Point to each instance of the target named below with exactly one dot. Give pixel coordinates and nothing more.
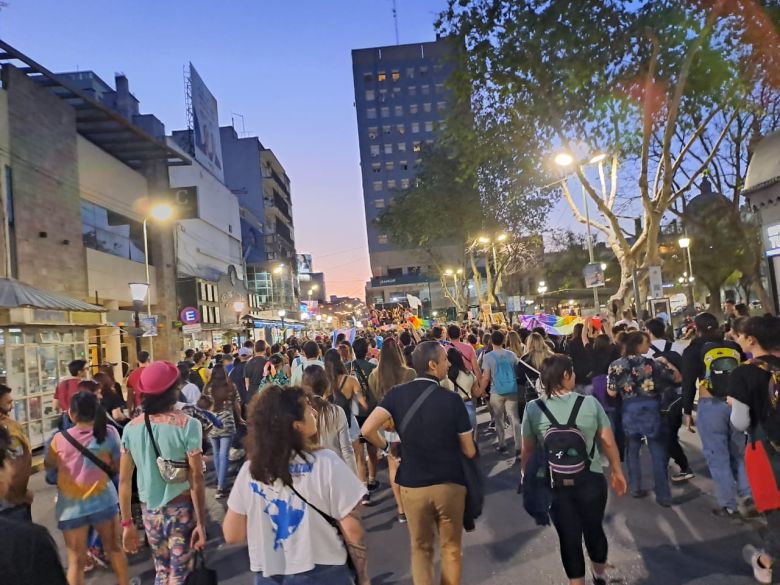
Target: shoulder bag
(171, 471)
(105, 467)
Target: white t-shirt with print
(285, 536)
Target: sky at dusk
(284, 66)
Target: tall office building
(401, 102)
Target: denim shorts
(93, 519)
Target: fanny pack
(170, 471)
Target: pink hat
(157, 378)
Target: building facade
(401, 102)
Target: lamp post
(282, 313)
(278, 270)
(159, 212)
(685, 244)
(541, 289)
(138, 292)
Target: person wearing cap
(174, 514)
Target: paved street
(648, 544)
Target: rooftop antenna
(395, 22)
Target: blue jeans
(472, 410)
(724, 450)
(221, 447)
(642, 418)
(319, 575)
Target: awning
(14, 294)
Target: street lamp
(282, 313)
(685, 244)
(159, 212)
(435, 314)
(541, 289)
(138, 292)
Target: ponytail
(85, 408)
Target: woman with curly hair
(295, 503)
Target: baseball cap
(244, 352)
(157, 378)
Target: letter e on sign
(189, 315)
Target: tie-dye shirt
(83, 488)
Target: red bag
(761, 471)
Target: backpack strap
(415, 407)
(361, 376)
(151, 435)
(667, 346)
(572, 422)
(102, 465)
(656, 351)
(546, 412)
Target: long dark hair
(106, 384)
(272, 441)
(220, 386)
(456, 363)
(707, 327)
(553, 370)
(160, 403)
(85, 408)
(334, 368)
(390, 369)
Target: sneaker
(747, 509)
(725, 513)
(683, 476)
(372, 485)
(602, 580)
(402, 518)
(638, 493)
(751, 555)
(366, 501)
(220, 495)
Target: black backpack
(670, 355)
(566, 448)
(194, 377)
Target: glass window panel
(33, 375)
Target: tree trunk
(763, 296)
(714, 304)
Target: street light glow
(502, 237)
(563, 159)
(238, 306)
(161, 212)
(603, 265)
(484, 240)
(460, 270)
(448, 272)
(597, 158)
(138, 291)
(684, 242)
(278, 269)
(282, 313)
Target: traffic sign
(189, 315)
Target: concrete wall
(43, 145)
(110, 276)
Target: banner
(553, 324)
(205, 120)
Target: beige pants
(437, 508)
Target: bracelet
(126, 523)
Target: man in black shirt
(434, 437)
(253, 372)
(27, 552)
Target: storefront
(40, 333)
(762, 190)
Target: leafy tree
(644, 82)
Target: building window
(371, 113)
(439, 88)
(442, 124)
(413, 270)
(429, 126)
(382, 239)
(441, 106)
(401, 129)
(395, 272)
(388, 149)
(109, 232)
(426, 89)
(429, 141)
(412, 109)
(386, 129)
(374, 150)
(402, 147)
(395, 75)
(379, 203)
(376, 167)
(399, 110)
(412, 90)
(417, 163)
(383, 95)
(391, 184)
(415, 127)
(416, 147)
(384, 111)
(373, 132)
(389, 166)
(423, 70)
(370, 95)
(377, 185)
(404, 165)
(427, 107)
(381, 76)
(368, 77)
(404, 183)
(410, 72)
(396, 92)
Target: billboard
(304, 264)
(593, 275)
(205, 119)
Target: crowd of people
(296, 432)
